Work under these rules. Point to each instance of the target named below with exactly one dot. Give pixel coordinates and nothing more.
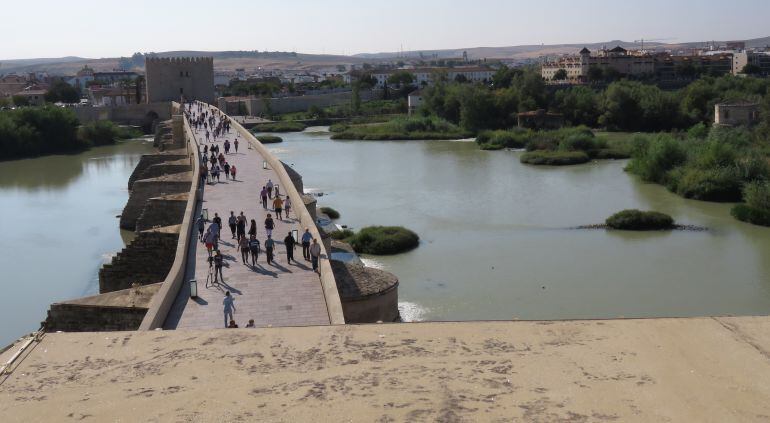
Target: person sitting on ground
(251, 324)
(232, 325)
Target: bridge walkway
(280, 294)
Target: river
(59, 227)
(495, 237)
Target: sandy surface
(658, 370)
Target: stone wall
(168, 79)
(127, 114)
(295, 177)
(144, 189)
(84, 318)
(146, 260)
(260, 106)
(162, 211)
(148, 160)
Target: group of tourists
(243, 230)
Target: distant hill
(250, 60)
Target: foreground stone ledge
(699, 369)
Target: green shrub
(722, 184)
(333, 214)
(343, 234)
(269, 139)
(637, 220)
(104, 132)
(384, 240)
(698, 131)
(652, 159)
(554, 158)
(609, 153)
(751, 215)
(35, 131)
(757, 194)
(338, 127)
(403, 128)
(581, 142)
(496, 140)
(279, 127)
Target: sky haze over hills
(89, 28)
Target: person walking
(287, 207)
(232, 221)
(232, 171)
(227, 146)
(290, 243)
(254, 249)
(269, 225)
(269, 245)
(278, 207)
(253, 228)
(269, 186)
(241, 226)
(243, 243)
(263, 196)
(277, 190)
(315, 254)
(229, 304)
(203, 173)
(201, 224)
(219, 261)
(306, 238)
(227, 170)
(218, 221)
(235, 144)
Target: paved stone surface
(280, 294)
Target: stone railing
(163, 300)
(328, 283)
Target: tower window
(181, 74)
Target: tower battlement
(170, 78)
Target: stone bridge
(277, 294)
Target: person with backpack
(269, 245)
(254, 250)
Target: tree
(356, 98)
(20, 100)
(579, 105)
(751, 69)
(560, 75)
(595, 74)
(62, 91)
(401, 78)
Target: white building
(426, 76)
(414, 101)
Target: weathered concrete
(146, 260)
(148, 160)
(656, 370)
(114, 311)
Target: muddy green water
(58, 226)
(495, 243)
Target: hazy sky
(107, 28)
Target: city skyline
(349, 28)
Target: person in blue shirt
(306, 238)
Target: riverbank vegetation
(269, 139)
(37, 131)
(333, 214)
(279, 127)
(637, 220)
(714, 168)
(554, 158)
(756, 209)
(379, 240)
(402, 128)
(350, 111)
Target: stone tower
(168, 79)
